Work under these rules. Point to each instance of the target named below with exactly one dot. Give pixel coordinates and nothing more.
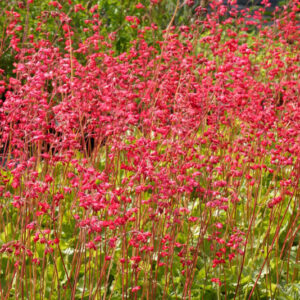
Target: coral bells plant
(168, 171)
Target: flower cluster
(119, 171)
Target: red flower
(216, 280)
(136, 288)
(140, 6)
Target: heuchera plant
(170, 171)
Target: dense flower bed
(168, 171)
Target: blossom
(135, 289)
(216, 280)
(140, 6)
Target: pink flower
(140, 6)
(31, 225)
(136, 288)
(91, 245)
(190, 2)
(192, 219)
(216, 280)
(78, 7)
(219, 225)
(231, 256)
(136, 259)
